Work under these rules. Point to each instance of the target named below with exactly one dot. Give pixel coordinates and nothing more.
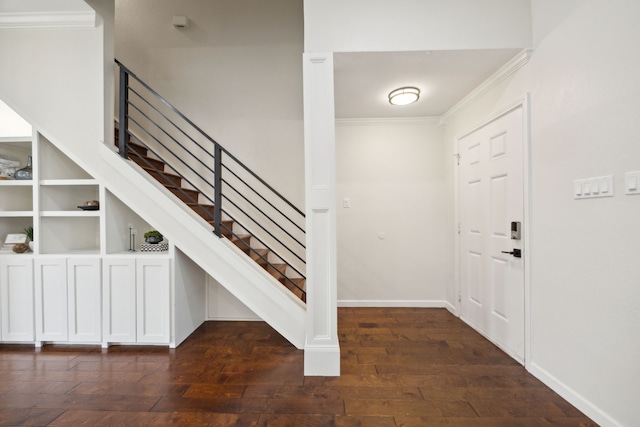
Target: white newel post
(322, 350)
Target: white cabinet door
(84, 299)
(119, 299)
(51, 299)
(16, 299)
(153, 278)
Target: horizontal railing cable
(241, 200)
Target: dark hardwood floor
(400, 367)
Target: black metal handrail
(219, 187)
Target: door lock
(517, 253)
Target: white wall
(406, 25)
(391, 170)
(11, 124)
(584, 86)
(72, 58)
(236, 72)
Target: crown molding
(385, 120)
(37, 20)
(496, 78)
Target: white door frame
(522, 102)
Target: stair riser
(188, 196)
(166, 179)
(205, 211)
(243, 244)
(131, 146)
(276, 272)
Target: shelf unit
(16, 197)
(83, 282)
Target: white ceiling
(363, 80)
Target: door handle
(517, 253)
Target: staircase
(159, 149)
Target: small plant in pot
(29, 233)
(153, 236)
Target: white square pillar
(322, 349)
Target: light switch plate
(589, 188)
(632, 183)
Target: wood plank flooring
(400, 367)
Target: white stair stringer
(221, 259)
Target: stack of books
(7, 167)
(11, 240)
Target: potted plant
(153, 237)
(29, 233)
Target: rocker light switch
(601, 186)
(632, 183)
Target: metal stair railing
(214, 182)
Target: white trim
(233, 319)
(574, 398)
(393, 303)
(322, 360)
(33, 20)
(386, 120)
(496, 78)
(451, 308)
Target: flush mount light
(404, 96)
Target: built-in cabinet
(16, 298)
(84, 281)
(136, 300)
(67, 300)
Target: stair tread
(175, 187)
(169, 174)
(241, 237)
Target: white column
(322, 350)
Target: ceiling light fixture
(404, 96)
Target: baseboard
(392, 303)
(452, 309)
(571, 396)
(323, 361)
(234, 319)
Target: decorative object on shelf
(153, 237)
(8, 167)
(155, 247)
(90, 205)
(26, 172)
(20, 248)
(29, 233)
(132, 239)
(12, 240)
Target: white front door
(491, 198)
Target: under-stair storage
(86, 279)
(136, 300)
(67, 300)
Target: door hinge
(458, 228)
(457, 156)
(459, 296)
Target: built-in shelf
(14, 214)
(16, 183)
(69, 214)
(14, 139)
(68, 182)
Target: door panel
(491, 196)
